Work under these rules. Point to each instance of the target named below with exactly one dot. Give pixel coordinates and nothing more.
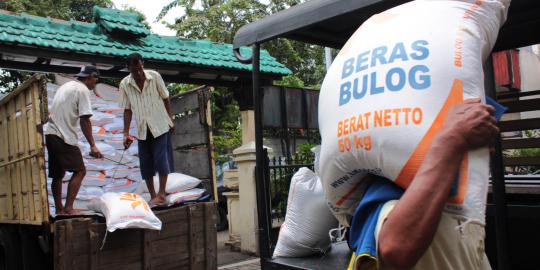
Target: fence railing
(280, 173)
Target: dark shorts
(155, 155)
(62, 157)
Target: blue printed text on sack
(358, 81)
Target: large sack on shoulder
(308, 220)
(389, 90)
(126, 210)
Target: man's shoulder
(125, 80)
(153, 73)
(72, 86)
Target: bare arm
(167, 104)
(128, 114)
(411, 226)
(86, 127)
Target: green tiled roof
(113, 20)
(97, 39)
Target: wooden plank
(20, 88)
(4, 179)
(521, 161)
(515, 125)
(194, 161)
(94, 249)
(196, 237)
(186, 101)
(69, 244)
(210, 233)
(30, 149)
(14, 176)
(524, 105)
(59, 246)
(38, 109)
(521, 143)
(189, 131)
(147, 249)
(23, 150)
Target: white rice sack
(64, 188)
(389, 90)
(188, 195)
(115, 126)
(176, 182)
(100, 119)
(95, 179)
(121, 185)
(104, 148)
(133, 150)
(308, 219)
(126, 210)
(87, 193)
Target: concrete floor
(230, 260)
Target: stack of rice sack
(119, 171)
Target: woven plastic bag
(389, 90)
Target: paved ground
(232, 260)
(253, 264)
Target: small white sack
(126, 210)
(177, 182)
(183, 196)
(308, 219)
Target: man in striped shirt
(144, 94)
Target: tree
(218, 21)
(80, 10)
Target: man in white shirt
(71, 104)
(144, 94)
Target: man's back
(71, 101)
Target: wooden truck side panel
(187, 241)
(23, 193)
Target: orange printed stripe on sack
(411, 167)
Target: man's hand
(471, 125)
(94, 152)
(127, 141)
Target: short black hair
(133, 58)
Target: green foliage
(304, 152)
(227, 132)
(80, 10)
(219, 20)
(141, 15)
(177, 88)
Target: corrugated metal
(89, 38)
(506, 68)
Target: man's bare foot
(70, 212)
(158, 201)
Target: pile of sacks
(118, 172)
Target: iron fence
(280, 172)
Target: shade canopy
(330, 23)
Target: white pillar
(245, 158)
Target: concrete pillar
(230, 180)
(245, 158)
(248, 126)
